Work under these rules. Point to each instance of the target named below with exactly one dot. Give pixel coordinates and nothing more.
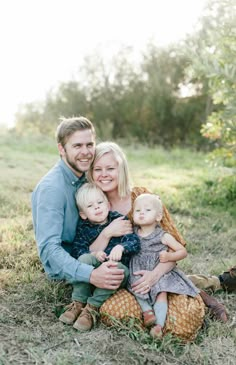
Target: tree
(215, 60)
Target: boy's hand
(100, 256)
(164, 256)
(116, 253)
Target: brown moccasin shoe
(71, 313)
(87, 318)
(149, 318)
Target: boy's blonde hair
(102, 148)
(86, 193)
(153, 199)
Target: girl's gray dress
(147, 259)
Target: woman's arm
(117, 228)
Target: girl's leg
(160, 308)
(148, 315)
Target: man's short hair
(68, 126)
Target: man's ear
(61, 149)
(83, 215)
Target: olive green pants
(87, 293)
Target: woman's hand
(144, 284)
(118, 227)
(149, 278)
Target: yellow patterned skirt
(184, 317)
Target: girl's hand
(116, 253)
(164, 256)
(144, 284)
(118, 227)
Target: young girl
(155, 242)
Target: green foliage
(139, 101)
(29, 302)
(214, 59)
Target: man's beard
(73, 165)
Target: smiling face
(95, 208)
(106, 172)
(78, 152)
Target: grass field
(30, 332)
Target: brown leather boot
(87, 318)
(72, 311)
(228, 279)
(217, 310)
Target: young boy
(94, 210)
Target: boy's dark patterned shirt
(87, 232)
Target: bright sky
(44, 41)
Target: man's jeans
(87, 293)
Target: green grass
(201, 200)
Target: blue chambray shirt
(55, 218)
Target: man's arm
(48, 215)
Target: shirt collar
(70, 176)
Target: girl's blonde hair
(86, 193)
(151, 198)
(124, 184)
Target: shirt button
(73, 183)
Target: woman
(110, 172)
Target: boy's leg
(88, 316)
(80, 293)
(101, 295)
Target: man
(55, 214)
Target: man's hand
(107, 276)
(116, 253)
(118, 227)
